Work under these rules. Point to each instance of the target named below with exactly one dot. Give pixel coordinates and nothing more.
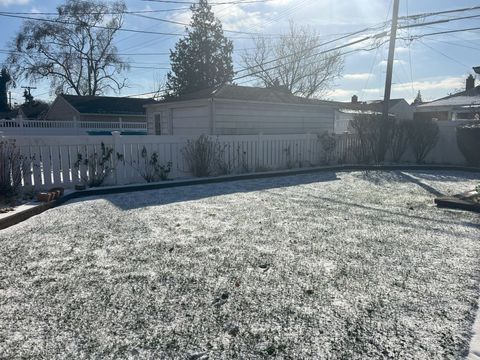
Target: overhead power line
(414, 37)
(97, 13)
(320, 45)
(306, 57)
(93, 26)
(239, 2)
(186, 24)
(438, 21)
(443, 54)
(423, 15)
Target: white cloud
(401, 49)
(13, 2)
(279, 2)
(232, 17)
(358, 76)
(395, 62)
(341, 93)
(450, 83)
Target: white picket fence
(34, 127)
(53, 158)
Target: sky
(436, 65)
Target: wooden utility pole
(388, 80)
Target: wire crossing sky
(434, 52)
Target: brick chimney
(470, 83)
(354, 99)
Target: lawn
(357, 265)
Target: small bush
(13, 166)
(468, 140)
(423, 136)
(205, 157)
(399, 143)
(328, 143)
(99, 165)
(150, 169)
(374, 134)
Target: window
(158, 124)
(162, 123)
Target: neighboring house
(236, 110)
(398, 108)
(98, 109)
(464, 105)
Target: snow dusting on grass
(355, 265)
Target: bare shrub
(399, 142)
(328, 142)
(423, 136)
(13, 166)
(205, 157)
(99, 165)
(150, 168)
(374, 134)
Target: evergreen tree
(202, 59)
(418, 100)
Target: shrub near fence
(53, 158)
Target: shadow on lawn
(135, 200)
(407, 215)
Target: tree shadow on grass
(384, 214)
(417, 178)
(446, 176)
(141, 199)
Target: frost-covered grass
(326, 266)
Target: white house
(237, 110)
(464, 105)
(398, 108)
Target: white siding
(192, 120)
(237, 118)
(402, 111)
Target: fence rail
(17, 127)
(53, 160)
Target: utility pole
(388, 80)
(29, 97)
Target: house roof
(463, 98)
(107, 104)
(248, 93)
(374, 106)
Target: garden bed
(329, 265)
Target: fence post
(120, 123)
(260, 159)
(75, 124)
(117, 149)
(20, 121)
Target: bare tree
(294, 62)
(74, 49)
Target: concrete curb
(15, 218)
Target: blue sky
(435, 65)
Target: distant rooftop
(107, 104)
(249, 93)
(463, 98)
